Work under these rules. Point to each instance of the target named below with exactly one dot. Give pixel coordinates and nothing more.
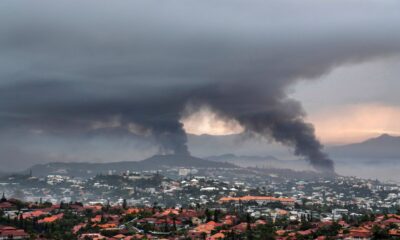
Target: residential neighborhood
(181, 204)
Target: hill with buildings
(157, 162)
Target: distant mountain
(157, 162)
(381, 147)
(247, 161)
(260, 161)
(229, 157)
(167, 161)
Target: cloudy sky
(354, 102)
(116, 80)
(347, 105)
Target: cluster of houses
(122, 222)
(175, 206)
(139, 188)
(8, 232)
(261, 200)
(389, 225)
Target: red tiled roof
(119, 236)
(78, 227)
(305, 232)
(394, 232)
(280, 232)
(51, 218)
(5, 205)
(33, 214)
(256, 198)
(360, 232)
(217, 236)
(132, 211)
(96, 219)
(107, 225)
(12, 232)
(392, 220)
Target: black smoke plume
(73, 67)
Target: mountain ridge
(384, 146)
(156, 162)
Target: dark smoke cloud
(73, 67)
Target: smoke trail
(143, 63)
(293, 132)
(270, 114)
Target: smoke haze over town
(199, 119)
(119, 81)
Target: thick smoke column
(172, 137)
(131, 68)
(291, 131)
(270, 114)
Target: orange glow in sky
(341, 125)
(354, 123)
(206, 121)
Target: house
(243, 227)
(33, 214)
(96, 219)
(229, 220)
(107, 226)
(203, 230)
(132, 211)
(96, 236)
(394, 233)
(306, 232)
(6, 206)
(280, 232)
(390, 221)
(51, 218)
(259, 199)
(216, 236)
(359, 233)
(119, 237)
(12, 233)
(78, 227)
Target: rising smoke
(71, 66)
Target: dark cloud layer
(76, 67)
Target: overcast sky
(354, 102)
(95, 80)
(349, 104)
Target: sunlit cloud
(337, 125)
(205, 121)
